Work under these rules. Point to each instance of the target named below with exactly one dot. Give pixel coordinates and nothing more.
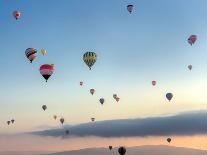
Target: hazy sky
(133, 49)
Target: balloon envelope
(168, 140)
(31, 54)
(190, 67)
(130, 8)
(169, 96)
(46, 70)
(92, 91)
(192, 39)
(16, 14)
(102, 101)
(90, 58)
(122, 150)
(43, 51)
(154, 83)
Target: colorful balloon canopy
(31, 54)
(43, 51)
(169, 96)
(192, 39)
(46, 70)
(130, 8)
(16, 14)
(122, 150)
(44, 107)
(90, 58)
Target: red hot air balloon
(16, 14)
(46, 70)
(154, 83)
(192, 39)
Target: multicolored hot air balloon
(169, 96)
(92, 91)
(16, 14)
(154, 83)
(90, 58)
(81, 83)
(31, 54)
(62, 120)
(44, 107)
(130, 8)
(110, 147)
(102, 101)
(190, 67)
(43, 51)
(192, 39)
(46, 70)
(92, 119)
(168, 140)
(122, 150)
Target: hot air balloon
(90, 58)
(12, 121)
(62, 120)
(8, 122)
(102, 100)
(16, 14)
(117, 99)
(168, 140)
(46, 70)
(190, 67)
(31, 54)
(122, 150)
(154, 83)
(115, 96)
(44, 107)
(110, 147)
(43, 51)
(81, 83)
(169, 96)
(130, 8)
(92, 119)
(55, 117)
(192, 39)
(92, 91)
(67, 132)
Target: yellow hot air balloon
(43, 51)
(89, 58)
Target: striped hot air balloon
(90, 58)
(31, 54)
(46, 70)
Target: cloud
(192, 123)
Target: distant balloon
(117, 99)
(115, 96)
(168, 140)
(12, 121)
(154, 83)
(90, 58)
(122, 150)
(102, 101)
(16, 14)
(110, 147)
(92, 91)
(31, 54)
(8, 122)
(190, 67)
(44, 107)
(81, 83)
(192, 39)
(55, 117)
(92, 119)
(43, 51)
(130, 8)
(67, 132)
(46, 70)
(169, 96)
(62, 120)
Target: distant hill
(139, 150)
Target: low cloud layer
(185, 124)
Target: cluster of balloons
(116, 97)
(10, 122)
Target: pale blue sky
(133, 49)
